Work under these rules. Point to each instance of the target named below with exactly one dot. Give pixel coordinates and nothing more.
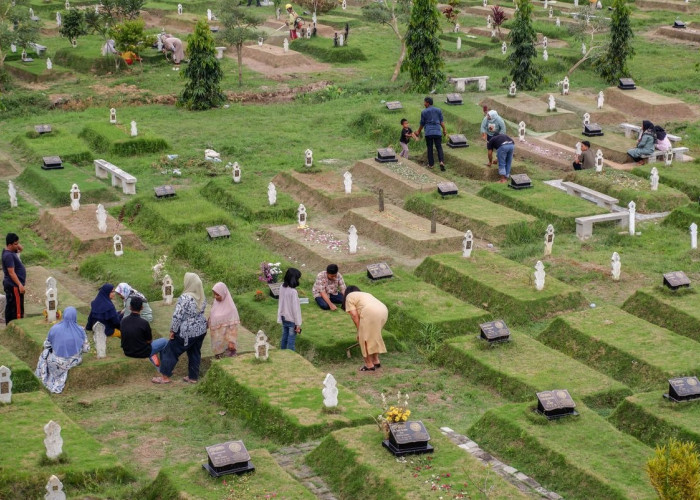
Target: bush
(674, 471)
(320, 6)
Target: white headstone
(167, 289)
(308, 158)
(118, 247)
(539, 276)
(586, 119)
(112, 116)
(549, 240)
(98, 331)
(513, 89)
(262, 347)
(53, 440)
(467, 244)
(13, 48)
(599, 161)
(344, 4)
(352, 240)
(583, 49)
(67, 5)
(545, 55)
(504, 48)
(615, 266)
(493, 34)
(75, 198)
(314, 18)
(51, 283)
(308, 34)
(545, 42)
(347, 182)
(459, 43)
(101, 218)
(277, 13)
(485, 3)
(208, 14)
(551, 13)
(633, 211)
(285, 45)
(546, 4)
(134, 131)
(271, 194)
(54, 489)
(575, 3)
(341, 39)
(330, 392)
(51, 305)
(97, 8)
(668, 157)
(654, 179)
(58, 19)
(49, 64)
(260, 41)
(557, 23)
(23, 56)
(601, 99)
(236, 172)
(521, 131)
(31, 12)
(5, 385)
(12, 192)
(489, 21)
(565, 86)
(301, 217)
(552, 103)
(578, 149)
(179, 9)
(693, 236)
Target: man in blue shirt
(15, 278)
(431, 119)
(504, 147)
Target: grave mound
(35, 298)
(76, 232)
(581, 103)
(274, 56)
(254, 205)
(470, 162)
(116, 139)
(648, 105)
(323, 190)
(614, 146)
(678, 310)
(532, 111)
(688, 34)
(681, 176)
(398, 180)
(23, 379)
(36, 72)
(669, 5)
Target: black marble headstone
(520, 181)
(454, 99)
(228, 458)
(626, 84)
(214, 29)
(555, 404)
(42, 129)
(592, 130)
(385, 155)
(457, 141)
(274, 290)
(683, 389)
(446, 188)
(379, 271)
(495, 331)
(392, 105)
(676, 279)
(218, 232)
(164, 191)
(408, 438)
(678, 24)
(52, 162)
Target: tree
(585, 31)
(130, 37)
(73, 26)
(674, 471)
(203, 90)
(319, 6)
(15, 27)
(395, 14)
(238, 27)
(424, 62)
(121, 10)
(522, 42)
(612, 65)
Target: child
(288, 310)
(406, 134)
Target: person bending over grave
(504, 147)
(15, 278)
(292, 20)
(223, 323)
(187, 332)
(289, 310)
(491, 125)
(431, 118)
(63, 349)
(329, 288)
(102, 309)
(137, 338)
(174, 46)
(406, 135)
(369, 316)
(645, 144)
(127, 294)
(586, 159)
(663, 143)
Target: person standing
(329, 288)
(431, 119)
(289, 310)
(15, 278)
(406, 135)
(492, 124)
(291, 21)
(504, 147)
(369, 316)
(223, 323)
(137, 337)
(586, 159)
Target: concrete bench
(461, 82)
(39, 49)
(678, 154)
(220, 52)
(600, 199)
(632, 131)
(584, 225)
(121, 179)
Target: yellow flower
(405, 418)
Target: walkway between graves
(291, 459)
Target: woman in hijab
(187, 331)
(663, 143)
(127, 293)
(645, 144)
(102, 309)
(63, 350)
(491, 125)
(174, 46)
(223, 322)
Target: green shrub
(674, 471)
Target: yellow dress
(373, 315)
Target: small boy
(406, 134)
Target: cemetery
(542, 327)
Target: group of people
(651, 137)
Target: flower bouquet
(269, 272)
(393, 414)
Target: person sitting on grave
(492, 124)
(223, 322)
(662, 143)
(102, 310)
(645, 144)
(137, 338)
(63, 349)
(174, 46)
(369, 315)
(329, 288)
(127, 294)
(293, 21)
(504, 147)
(406, 134)
(586, 159)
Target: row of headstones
(211, 155)
(565, 87)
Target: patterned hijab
(223, 311)
(194, 288)
(126, 291)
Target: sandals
(365, 369)
(189, 380)
(160, 380)
(377, 365)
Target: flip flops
(160, 380)
(189, 380)
(365, 369)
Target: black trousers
(437, 141)
(14, 307)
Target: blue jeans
(335, 299)
(157, 345)
(505, 159)
(289, 336)
(174, 350)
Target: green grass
(624, 347)
(59, 142)
(115, 139)
(680, 175)
(683, 217)
(676, 310)
(578, 457)
(520, 368)
(320, 49)
(504, 288)
(281, 398)
(23, 379)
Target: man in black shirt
(15, 278)
(504, 147)
(137, 339)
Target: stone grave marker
(221, 231)
(545, 42)
(626, 84)
(512, 89)
(551, 13)
(261, 40)
(693, 236)
(683, 389)
(520, 181)
(231, 457)
(53, 440)
(616, 266)
(118, 246)
(51, 305)
(654, 179)
(167, 289)
(457, 141)
(277, 14)
(565, 86)
(101, 218)
(467, 244)
(301, 217)
(433, 221)
(98, 333)
(42, 129)
(485, 3)
(459, 43)
(549, 240)
(134, 130)
(236, 172)
(489, 22)
(601, 99)
(586, 119)
(262, 347)
(347, 182)
(557, 22)
(13, 48)
(408, 438)
(539, 276)
(51, 283)
(49, 64)
(5, 385)
(494, 331)
(447, 188)
(352, 239)
(552, 103)
(179, 9)
(632, 206)
(58, 19)
(545, 55)
(285, 45)
(381, 200)
(599, 161)
(668, 157)
(392, 105)
(330, 392)
(75, 198)
(578, 149)
(54, 489)
(165, 191)
(271, 194)
(308, 33)
(504, 48)
(521, 131)
(51, 163)
(341, 40)
(274, 290)
(12, 192)
(379, 271)
(555, 404)
(676, 279)
(308, 158)
(113, 116)
(454, 99)
(344, 4)
(583, 49)
(456, 28)
(386, 155)
(208, 14)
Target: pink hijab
(224, 311)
